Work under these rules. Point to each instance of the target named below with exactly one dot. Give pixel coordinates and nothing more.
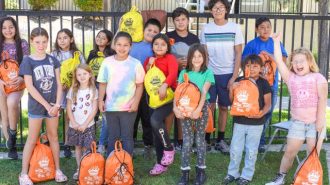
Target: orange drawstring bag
(210, 123)
(246, 97)
(91, 168)
(187, 96)
(119, 167)
(310, 171)
(9, 69)
(269, 68)
(42, 165)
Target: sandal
(168, 158)
(24, 180)
(76, 175)
(158, 169)
(60, 177)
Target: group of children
(117, 91)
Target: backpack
(42, 165)
(269, 68)
(246, 97)
(96, 63)
(91, 168)
(9, 69)
(152, 82)
(210, 124)
(119, 167)
(187, 96)
(67, 68)
(132, 23)
(310, 170)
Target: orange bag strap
(4, 55)
(247, 72)
(186, 78)
(93, 147)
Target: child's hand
(82, 127)
(276, 37)
(101, 106)
(182, 62)
(178, 113)
(195, 114)
(75, 125)
(319, 125)
(134, 107)
(16, 81)
(230, 82)
(256, 116)
(2, 86)
(54, 110)
(151, 60)
(162, 91)
(64, 87)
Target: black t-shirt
(189, 39)
(264, 88)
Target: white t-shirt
(220, 42)
(84, 105)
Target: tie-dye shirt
(304, 96)
(121, 78)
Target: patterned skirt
(82, 139)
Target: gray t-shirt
(43, 79)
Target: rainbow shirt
(121, 78)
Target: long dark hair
(17, 38)
(108, 51)
(73, 46)
(193, 48)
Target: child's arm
(148, 63)
(238, 58)
(197, 112)
(137, 97)
(176, 110)
(90, 117)
(231, 91)
(102, 88)
(73, 122)
(322, 91)
(283, 69)
(55, 108)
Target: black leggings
(161, 137)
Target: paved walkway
(273, 148)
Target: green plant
(11, 4)
(89, 5)
(41, 4)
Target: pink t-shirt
(304, 96)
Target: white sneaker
(101, 149)
(278, 180)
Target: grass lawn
(216, 170)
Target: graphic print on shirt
(45, 75)
(304, 93)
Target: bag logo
(128, 22)
(44, 170)
(122, 175)
(184, 101)
(93, 177)
(313, 178)
(12, 74)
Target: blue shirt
(141, 51)
(257, 45)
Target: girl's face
(300, 65)
(159, 47)
(149, 32)
(101, 40)
(8, 30)
(40, 44)
(181, 23)
(83, 76)
(197, 60)
(264, 30)
(219, 11)
(122, 47)
(64, 41)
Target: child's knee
(52, 137)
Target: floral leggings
(188, 128)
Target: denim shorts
(219, 90)
(36, 116)
(301, 130)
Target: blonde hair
(75, 83)
(309, 56)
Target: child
(103, 44)
(224, 41)
(167, 64)
(183, 40)
(42, 79)
(121, 80)
(308, 93)
(264, 43)
(141, 51)
(65, 46)
(248, 129)
(203, 78)
(11, 42)
(81, 109)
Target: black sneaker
(242, 181)
(222, 146)
(67, 151)
(12, 154)
(262, 149)
(278, 180)
(228, 179)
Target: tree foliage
(89, 5)
(41, 4)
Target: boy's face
(149, 32)
(181, 23)
(219, 11)
(255, 70)
(264, 30)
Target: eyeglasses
(219, 9)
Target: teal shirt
(199, 79)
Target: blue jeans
(248, 137)
(104, 132)
(269, 117)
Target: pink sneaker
(157, 170)
(168, 158)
